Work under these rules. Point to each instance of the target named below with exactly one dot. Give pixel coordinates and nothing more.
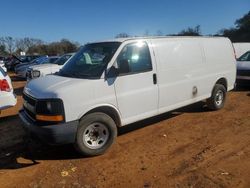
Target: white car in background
(45, 69)
(2, 65)
(7, 97)
(243, 69)
(21, 71)
(241, 48)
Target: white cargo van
(114, 83)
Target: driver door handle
(154, 78)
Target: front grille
(29, 105)
(243, 72)
(29, 99)
(33, 106)
(29, 113)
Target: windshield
(41, 60)
(245, 57)
(38, 60)
(52, 59)
(90, 61)
(3, 72)
(62, 59)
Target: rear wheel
(96, 133)
(218, 97)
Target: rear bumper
(64, 133)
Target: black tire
(214, 102)
(89, 132)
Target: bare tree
(1, 41)
(30, 42)
(196, 31)
(20, 45)
(122, 35)
(54, 48)
(2, 50)
(24, 44)
(2, 47)
(9, 43)
(159, 33)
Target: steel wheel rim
(96, 135)
(219, 97)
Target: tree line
(33, 46)
(239, 33)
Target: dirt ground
(190, 147)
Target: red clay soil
(190, 147)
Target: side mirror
(112, 72)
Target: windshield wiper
(62, 73)
(77, 75)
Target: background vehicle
(21, 70)
(243, 69)
(2, 59)
(50, 68)
(2, 65)
(17, 66)
(110, 84)
(7, 97)
(13, 61)
(241, 48)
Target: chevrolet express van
(110, 84)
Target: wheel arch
(222, 81)
(110, 110)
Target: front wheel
(96, 133)
(218, 97)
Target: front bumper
(64, 133)
(21, 74)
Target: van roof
(155, 37)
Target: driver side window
(134, 58)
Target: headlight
(35, 73)
(50, 110)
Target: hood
(20, 65)
(243, 65)
(53, 86)
(46, 69)
(24, 66)
(42, 66)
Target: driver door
(136, 85)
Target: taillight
(4, 85)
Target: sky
(92, 20)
